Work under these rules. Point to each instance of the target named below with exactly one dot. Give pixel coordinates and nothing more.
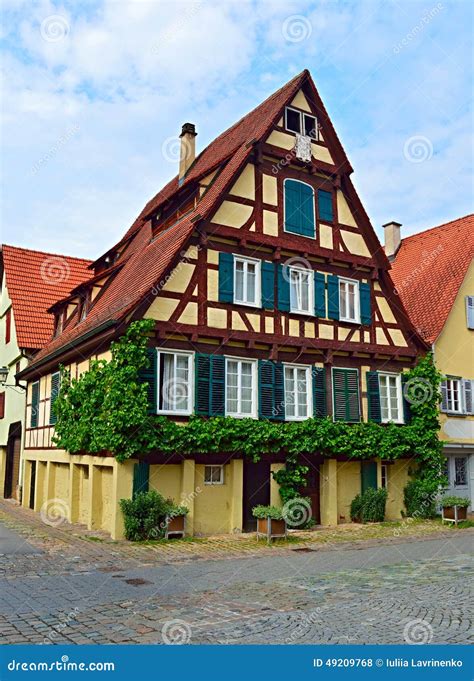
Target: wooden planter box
(454, 513)
(175, 526)
(271, 529)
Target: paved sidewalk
(377, 591)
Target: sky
(95, 92)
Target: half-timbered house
(272, 299)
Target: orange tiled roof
(428, 270)
(35, 280)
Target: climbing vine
(106, 409)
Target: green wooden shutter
(333, 296)
(202, 400)
(319, 392)
(148, 375)
(299, 208)
(368, 475)
(365, 304)
(226, 277)
(406, 404)
(55, 385)
(283, 290)
(34, 405)
(141, 477)
(217, 381)
(271, 400)
(373, 396)
(319, 294)
(325, 206)
(268, 285)
(346, 395)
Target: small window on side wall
(470, 312)
(213, 475)
(301, 123)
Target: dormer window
(85, 300)
(59, 323)
(301, 123)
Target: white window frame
(342, 318)
(301, 270)
(399, 398)
(301, 130)
(190, 356)
(239, 415)
(221, 474)
(258, 280)
(449, 398)
(470, 311)
(309, 391)
(284, 208)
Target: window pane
(289, 392)
(239, 280)
(310, 126)
(251, 283)
(343, 299)
(293, 120)
(294, 290)
(304, 278)
(460, 470)
(167, 379)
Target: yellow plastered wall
(232, 214)
(167, 480)
(245, 183)
(275, 498)
(213, 504)
(344, 212)
(348, 486)
(397, 479)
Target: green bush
(145, 515)
(369, 507)
(455, 501)
(267, 512)
(420, 497)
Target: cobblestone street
(72, 590)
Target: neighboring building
(30, 282)
(272, 299)
(433, 272)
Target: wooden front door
(311, 489)
(12, 469)
(256, 491)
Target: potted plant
(176, 522)
(454, 508)
(270, 522)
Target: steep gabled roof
(34, 281)
(428, 270)
(146, 261)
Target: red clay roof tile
(428, 270)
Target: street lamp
(4, 371)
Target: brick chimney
(392, 239)
(187, 150)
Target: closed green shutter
(148, 375)
(319, 294)
(345, 385)
(365, 304)
(319, 392)
(368, 475)
(325, 206)
(34, 405)
(141, 477)
(283, 289)
(333, 296)
(271, 404)
(299, 208)
(226, 277)
(406, 404)
(373, 396)
(210, 385)
(268, 285)
(55, 385)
